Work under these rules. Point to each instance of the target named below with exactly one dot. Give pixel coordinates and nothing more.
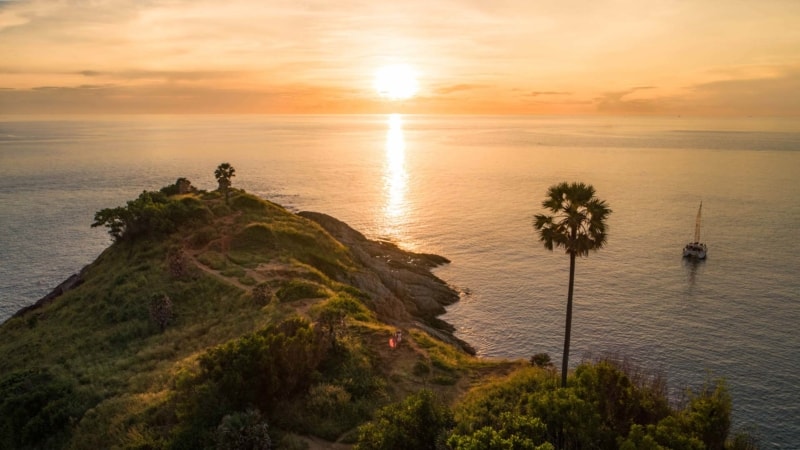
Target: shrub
(214, 260)
(203, 236)
(262, 294)
(243, 431)
(152, 213)
(327, 399)
(514, 431)
(541, 360)
(178, 263)
(37, 409)
(257, 237)
(418, 422)
(297, 289)
(249, 203)
(161, 311)
(259, 370)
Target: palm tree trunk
(568, 326)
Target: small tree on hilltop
(161, 310)
(223, 174)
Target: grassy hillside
(233, 323)
(94, 368)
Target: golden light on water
(395, 175)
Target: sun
(396, 82)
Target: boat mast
(697, 224)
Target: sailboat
(696, 249)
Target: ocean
(467, 187)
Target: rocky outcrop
(400, 282)
(70, 283)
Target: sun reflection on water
(395, 176)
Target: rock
(400, 282)
(70, 283)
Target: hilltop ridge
(226, 270)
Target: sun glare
(396, 82)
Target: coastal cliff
(399, 281)
(225, 321)
(190, 274)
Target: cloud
(616, 102)
(775, 96)
(445, 90)
(165, 75)
(175, 99)
(10, 18)
(538, 93)
(761, 96)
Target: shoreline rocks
(73, 281)
(400, 282)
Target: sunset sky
(692, 57)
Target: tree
(161, 311)
(224, 173)
(577, 223)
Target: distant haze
(706, 57)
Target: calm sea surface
(467, 188)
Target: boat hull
(695, 250)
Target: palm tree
(224, 173)
(578, 224)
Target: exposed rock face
(400, 282)
(70, 283)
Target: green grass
(99, 338)
(296, 289)
(214, 260)
(93, 369)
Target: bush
(37, 409)
(178, 263)
(297, 289)
(517, 432)
(255, 238)
(327, 400)
(262, 370)
(262, 294)
(214, 260)
(541, 360)
(203, 236)
(607, 404)
(152, 213)
(243, 431)
(418, 422)
(161, 310)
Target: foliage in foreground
(606, 406)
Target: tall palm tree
(577, 223)
(224, 173)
